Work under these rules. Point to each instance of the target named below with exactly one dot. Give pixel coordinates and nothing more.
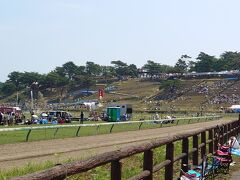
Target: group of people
(225, 98)
(10, 118)
(210, 90)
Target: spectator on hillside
(11, 118)
(67, 118)
(1, 118)
(5, 118)
(81, 117)
(18, 119)
(125, 117)
(23, 118)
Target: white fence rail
(112, 124)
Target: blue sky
(38, 35)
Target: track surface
(16, 155)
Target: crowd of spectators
(11, 118)
(209, 92)
(226, 99)
(228, 93)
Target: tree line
(72, 75)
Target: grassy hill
(174, 95)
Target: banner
(100, 93)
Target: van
(64, 115)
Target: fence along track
(112, 124)
(230, 128)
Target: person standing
(81, 117)
(1, 118)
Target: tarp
(44, 115)
(235, 152)
(34, 116)
(235, 108)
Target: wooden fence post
(55, 133)
(228, 130)
(221, 135)
(195, 154)
(238, 125)
(185, 150)
(116, 170)
(169, 156)
(203, 140)
(225, 135)
(77, 133)
(216, 137)
(148, 163)
(210, 137)
(111, 128)
(28, 134)
(236, 128)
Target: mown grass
(69, 132)
(131, 166)
(29, 168)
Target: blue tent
(235, 108)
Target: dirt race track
(16, 155)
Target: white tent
(235, 108)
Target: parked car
(61, 116)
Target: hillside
(188, 95)
(202, 95)
(133, 92)
(171, 95)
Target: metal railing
(161, 122)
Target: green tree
(121, 68)
(80, 70)
(108, 71)
(152, 68)
(166, 68)
(132, 70)
(60, 71)
(28, 78)
(191, 66)
(70, 69)
(119, 63)
(53, 79)
(15, 78)
(230, 60)
(8, 88)
(205, 63)
(181, 66)
(93, 69)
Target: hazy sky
(38, 35)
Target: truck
(6, 109)
(121, 112)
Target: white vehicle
(125, 110)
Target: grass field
(67, 132)
(126, 93)
(130, 166)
